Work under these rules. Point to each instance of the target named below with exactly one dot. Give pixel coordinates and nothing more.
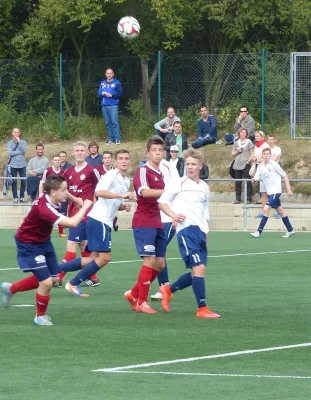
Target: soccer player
(189, 210)
(147, 227)
(81, 179)
(111, 190)
(35, 252)
(271, 174)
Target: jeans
(159, 133)
(22, 174)
(203, 142)
(111, 117)
(243, 174)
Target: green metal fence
(222, 81)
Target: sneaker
(131, 299)
(22, 200)
(258, 202)
(109, 142)
(6, 293)
(91, 283)
(255, 234)
(219, 142)
(115, 224)
(237, 202)
(117, 142)
(277, 215)
(43, 320)
(166, 292)
(75, 290)
(15, 201)
(59, 284)
(204, 312)
(289, 234)
(260, 215)
(63, 235)
(156, 297)
(145, 308)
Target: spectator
(276, 151)
(206, 129)
(204, 172)
(94, 158)
(36, 166)
(245, 121)
(260, 144)
(64, 164)
(17, 148)
(109, 92)
(55, 169)
(166, 125)
(243, 152)
(176, 138)
(176, 160)
(107, 163)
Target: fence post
(262, 89)
(159, 84)
(60, 95)
(245, 205)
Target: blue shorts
(169, 232)
(192, 246)
(99, 236)
(38, 258)
(274, 200)
(150, 242)
(78, 234)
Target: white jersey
(104, 210)
(271, 174)
(192, 201)
(171, 181)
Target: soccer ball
(128, 28)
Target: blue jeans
(203, 142)
(111, 117)
(161, 134)
(22, 174)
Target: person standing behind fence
(16, 148)
(206, 129)
(243, 153)
(35, 168)
(109, 92)
(245, 121)
(166, 125)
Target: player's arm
(78, 202)
(281, 172)
(125, 207)
(43, 179)
(169, 212)
(257, 175)
(77, 218)
(146, 192)
(287, 184)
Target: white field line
(216, 256)
(210, 374)
(191, 359)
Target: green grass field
(260, 287)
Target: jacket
(204, 172)
(114, 87)
(17, 156)
(170, 140)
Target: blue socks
(182, 282)
(163, 276)
(72, 265)
(198, 286)
(287, 224)
(90, 269)
(262, 224)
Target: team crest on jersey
(112, 85)
(82, 177)
(70, 177)
(156, 179)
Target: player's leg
(93, 280)
(70, 253)
(264, 218)
(106, 115)
(23, 285)
(290, 230)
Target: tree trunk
(146, 89)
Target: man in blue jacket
(206, 129)
(110, 91)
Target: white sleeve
(167, 197)
(278, 169)
(43, 177)
(106, 181)
(257, 174)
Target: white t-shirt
(271, 174)
(276, 151)
(192, 201)
(172, 182)
(104, 210)
(258, 150)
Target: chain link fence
(223, 82)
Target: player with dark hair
(35, 252)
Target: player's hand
(78, 202)
(87, 203)
(128, 196)
(290, 192)
(253, 180)
(179, 218)
(108, 94)
(164, 130)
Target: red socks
(145, 277)
(60, 229)
(87, 254)
(42, 303)
(29, 283)
(70, 255)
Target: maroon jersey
(81, 184)
(38, 225)
(101, 169)
(50, 171)
(147, 213)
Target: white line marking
(216, 256)
(183, 360)
(22, 305)
(209, 374)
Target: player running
(189, 210)
(35, 251)
(111, 191)
(271, 174)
